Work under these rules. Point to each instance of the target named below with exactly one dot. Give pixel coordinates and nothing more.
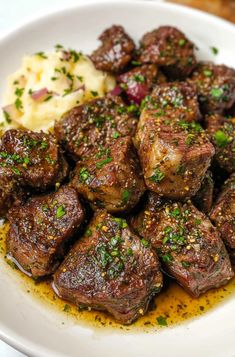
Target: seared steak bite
(40, 228)
(223, 212)
(11, 192)
(139, 81)
(215, 85)
(203, 199)
(170, 49)
(115, 52)
(222, 134)
(174, 154)
(85, 128)
(187, 243)
(110, 269)
(175, 100)
(34, 159)
(113, 178)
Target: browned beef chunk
(222, 134)
(139, 81)
(110, 269)
(223, 212)
(186, 241)
(33, 158)
(11, 192)
(112, 179)
(203, 199)
(174, 154)
(215, 85)
(85, 128)
(40, 228)
(176, 100)
(170, 49)
(115, 52)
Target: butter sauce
(172, 306)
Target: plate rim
(9, 336)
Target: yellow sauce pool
(174, 305)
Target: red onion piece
(116, 91)
(83, 87)
(66, 55)
(137, 92)
(40, 94)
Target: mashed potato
(49, 84)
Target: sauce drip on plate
(172, 306)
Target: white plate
(24, 322)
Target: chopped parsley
(162, 321)
(221, 138)
(60, 212)
(80, 78)
(19, 92)
(158, 175)
(126, 196)
(75, 55)
(58, 46)
(84, 175)
(48, 98)
(145, 243)
(185, 264)
(121, 222)
(67, 308)
(139, 78)
(182, 42)
(216, 93)
(135, 63)
(116, 135)
(18, 104)
(41, 54)
(167, 258)
(44, 145)
(214, 50)
(207, 72)
(7, 117)
(101, 163)
(94, 93)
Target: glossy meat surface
(110, 269)
(85, 128)
(223, 212)
(189, 246)
(170, 49)
(175, 100)
(40, 228)
(203, 199)
(174, 153)
(11, 192)
(115, 52)
(221, 131)
(34, 159)
(215, 85)
(112, 179)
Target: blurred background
(222, 8)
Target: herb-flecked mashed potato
(49, 84)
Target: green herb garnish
(162, 321)
(101, 163)
(125, 196)
(221, 138)
(158, 176)
(60, 212)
